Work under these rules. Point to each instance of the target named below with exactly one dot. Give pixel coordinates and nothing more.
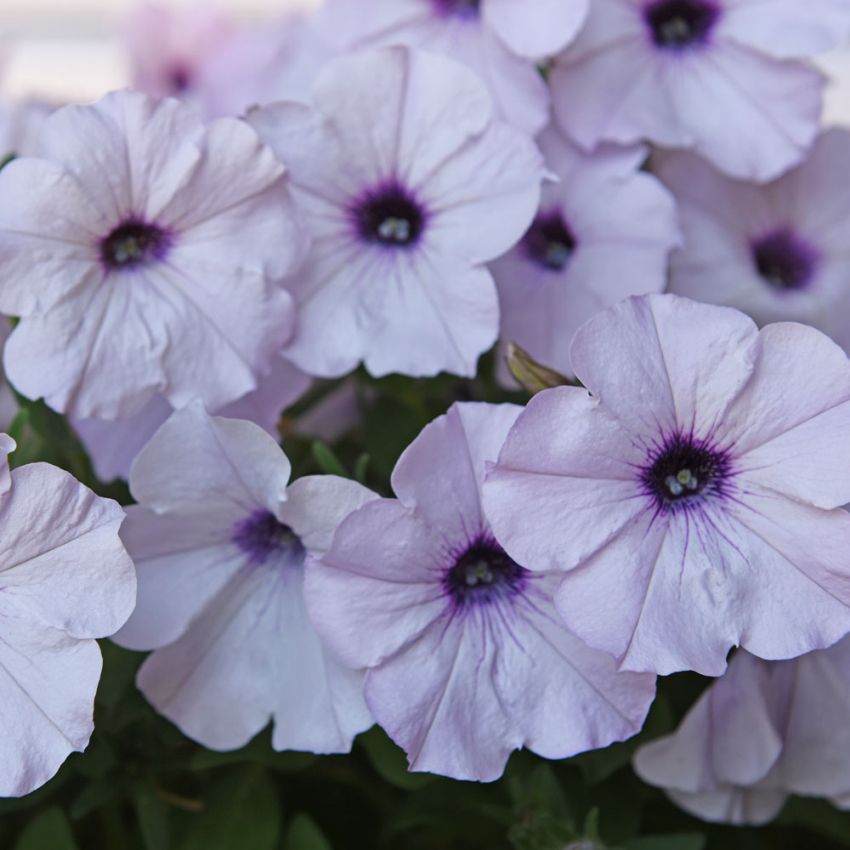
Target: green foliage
(141, 785)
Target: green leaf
(303, 834)
(390, 762)
(685, 841)
(361, 467)
(152, 814)
(326, 460)
(241, 810)
(49, 830)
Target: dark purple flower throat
(685, 471)
(389, 215)
(549, 242)
(262, 535)
(783, 260)
(678, 24)
(134, 243)
(482, 574)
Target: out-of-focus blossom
(66, 579)
(692, 496)
(20, 125)
(778, 251)
(264, 63)
(498, 39)
(721, 77)
(467, 659)
(144, 252)
(603, 232)
(170, 47)
(220, 543)
(113, 445)
(409, 187)
(763, 731)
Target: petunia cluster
(634, 198)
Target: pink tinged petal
(426, 317)
(117, 146)
(565, 484)
(209, 212)
(61, 559)
(462, 442)
(181, 565)
(438, 701)
(384, 568)
(216, 682)
(794, 591)
(484, 196)
(537, 31)
(669, 363)
(202, 466)
(777, 103)
(615, 93)
(281, 387)
(318, 704)
(317, 504)
(732, 805)
(113, 445)
(732, 735)
(676, 609)
(47, 681)
(53, 242)
(817, 737)
(565, 697)
(7, 446)
(787, 28)
(789, 423)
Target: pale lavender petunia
(144, 252)
(220, 539)
(66, 579)
(692, 496)
(722, 77)
(467, 659)
(409, 186)
(763, 731)
(603, 232)
(113, 444)
(777, 251)
(264, 63)
(170, 47)
(498, 39)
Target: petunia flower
(721, 77)
(692, 497)
(220, 540)
(263, 63)
(144, 252)
(763, 731)
(467, 659)
(409, 187)
(170, 48)
(778, 251)
(603, 232)
(113, 444)
(498, 39)
(66, 579)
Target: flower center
(134, 243)
(482, 574)
(783, 260)
(389, 216)
(684, 471)
(549, 241)
(262, 535)
(458, 8)
(180, 78)
(676, 24)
